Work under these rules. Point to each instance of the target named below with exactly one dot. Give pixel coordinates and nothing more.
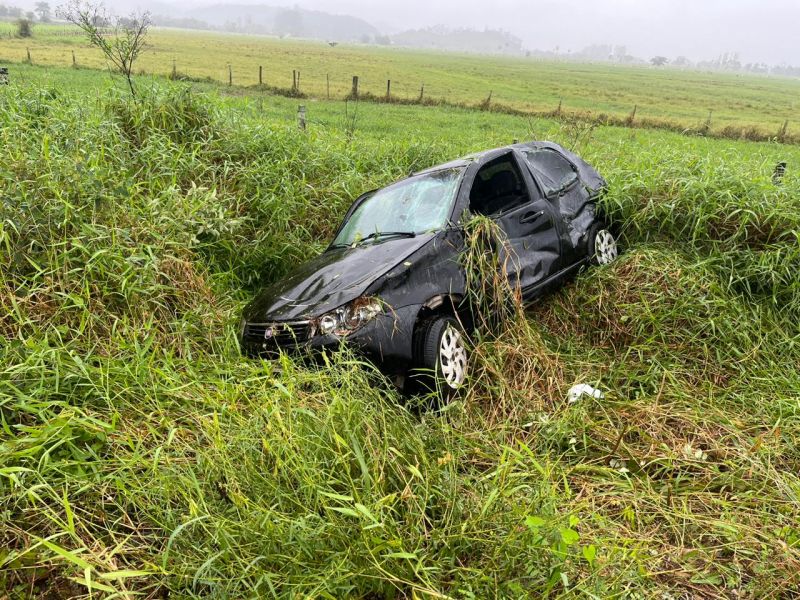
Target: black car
(391, 283)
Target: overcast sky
(759, 30)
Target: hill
(296, 22)
(489, 41)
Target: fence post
(301, 117)
(28, 50)
(421, 92)
(74, 62)
(294, 80)
(783, 130)
(707, 124)
(354, 91)
(230, 74)
(260, 78)
(388, 88)
(632, 116)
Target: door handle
(530, 216)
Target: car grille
(280, 334)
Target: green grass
(681, 99)
(140, 453)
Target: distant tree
(3, 10)
(365, 38)
(43, 10)
(682, 61)
(383, 40)
(24, 28)
(289, 22)
(659, 61)
(30, 15)
(121, 40)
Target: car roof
(465, 161)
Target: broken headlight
(348, 318)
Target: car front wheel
(441, 356)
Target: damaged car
(391, 284)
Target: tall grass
(139, 453)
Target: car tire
(441, 357)
(602, 247)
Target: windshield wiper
(381, 234)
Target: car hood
(330, 280)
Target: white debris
(583, 389)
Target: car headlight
(352, 316)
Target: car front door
(528, 220)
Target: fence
(632, 119)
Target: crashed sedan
(391, 284)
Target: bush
(24, 28)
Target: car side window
(553, 171)
(498, 187)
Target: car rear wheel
(602, 246)
(441, 356)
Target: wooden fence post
(74, 62)
(707, 124)
(294, 80)
(783, 131)
(388, 88)
(28, 50)
(354, 91)
(230, 75)
(260, 78)
(421, 92)
(632, 116)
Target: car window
(415, 205)
(551, 169)
(498, 187)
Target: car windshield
(416, 205)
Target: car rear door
(560, 183)
(533, 235)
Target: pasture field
(140, 454)
(667, 96)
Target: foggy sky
(759, 30)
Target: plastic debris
(583, 389)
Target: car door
(529, 223)
(562, 187)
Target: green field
(679, 98)
(141, 454)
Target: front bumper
(387, 338)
